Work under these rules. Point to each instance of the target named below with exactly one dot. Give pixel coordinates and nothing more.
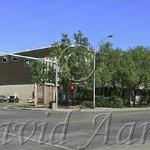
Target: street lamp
(94, 64)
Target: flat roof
(38, 53)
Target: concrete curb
(108, 109)
(86, 110)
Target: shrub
(88, 104)
(117, 102)
(83, 93)
(113, 102)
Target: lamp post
(94, 103)
(56, 85)
(94, 66)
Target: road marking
(46, 143)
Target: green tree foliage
(128, 69)
(42, 72)
(74, 61)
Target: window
(14, 59)
(4, 59)
(27, 62)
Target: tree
(74, 61)
(103, 64)
(141, 58)
(42, 72)
(126, 69)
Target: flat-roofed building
(15, 76)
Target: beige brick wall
(23, 92)
(48, 94)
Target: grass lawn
(20, 105)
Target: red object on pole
(72, 87)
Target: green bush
(83, 93)
(113, 102)
(118, 102)
(88, 104)
(103, 103)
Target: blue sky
(27, 24)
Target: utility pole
(56, 86)
(94, 63)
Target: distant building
(15, 76)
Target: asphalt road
(80, 130)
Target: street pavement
(17, 126)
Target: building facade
(15, 76)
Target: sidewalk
(108, 109)
(130, 109)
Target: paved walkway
(90, 110)
(108, 109)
